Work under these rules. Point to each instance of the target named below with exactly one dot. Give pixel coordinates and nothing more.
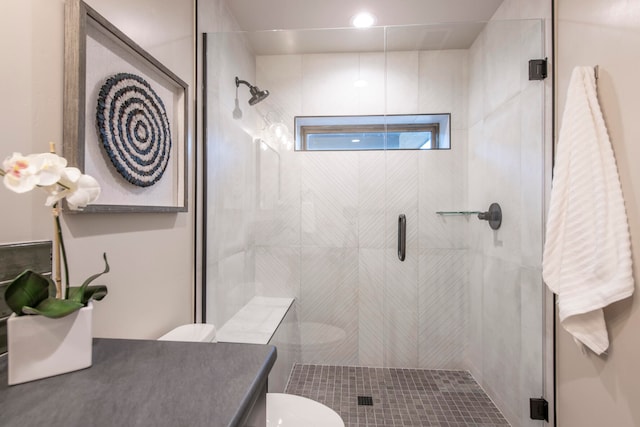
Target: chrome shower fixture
(257, 95)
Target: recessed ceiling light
(360, 83)
(363, 20)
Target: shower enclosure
(323, 226)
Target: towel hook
(595, 71)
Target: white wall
(151, 255)
(605, 391)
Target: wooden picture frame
(96, 52)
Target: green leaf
(78, 294)
(29, 289)
(82, 294)
(95, 276)
(54, 308)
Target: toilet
(283, 410)
(288, 410)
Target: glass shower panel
(322, 226)
(332, 196)
(426, 297)
(230, 181)
(307, 224)
(510, 160)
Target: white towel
(587, 254)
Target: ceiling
(256, 15)
(302, 24)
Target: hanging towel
(587, 254)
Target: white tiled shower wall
(328, 233)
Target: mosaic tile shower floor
(401, 397)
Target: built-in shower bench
(267, 320)
(256, 322)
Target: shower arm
(244, 82)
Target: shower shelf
(493, 215)
(451, 213)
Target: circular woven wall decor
(133, 128)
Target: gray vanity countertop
(145, 383)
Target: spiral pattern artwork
(133, 128)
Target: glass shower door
(466, 296)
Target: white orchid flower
(50, 172)
(49, 167)
(23, 173)
(20, 175)
(77, 188)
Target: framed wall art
(125, 117)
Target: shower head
(257, 95)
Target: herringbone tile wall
(344, 269)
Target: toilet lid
(194, 332)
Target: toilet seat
(288, 410)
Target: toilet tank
(193, 332)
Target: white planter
(39, 347)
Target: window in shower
(352, 133)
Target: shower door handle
(402, 236)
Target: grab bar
(402, 236)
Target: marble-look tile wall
(506, 157)
(326, 231)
